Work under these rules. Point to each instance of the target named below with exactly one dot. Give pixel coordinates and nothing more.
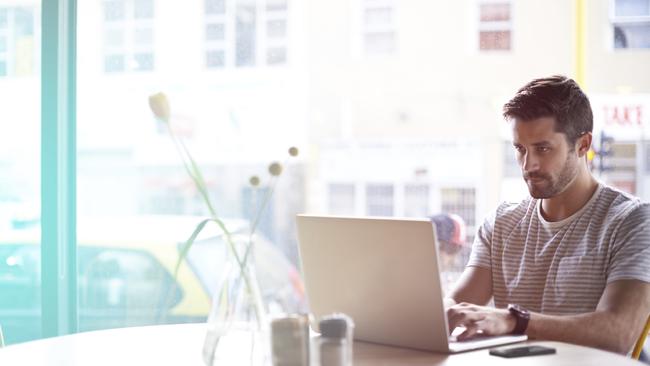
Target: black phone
(522, 351)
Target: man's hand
(480, 319)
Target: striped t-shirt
(562, 267)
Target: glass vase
(238, 331)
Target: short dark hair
(555, 96)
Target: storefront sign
(624, 117)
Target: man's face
(547, 162)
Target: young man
(570, 263)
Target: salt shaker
(336, 340)
(290, 340)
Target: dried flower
(254, 181)
(160, 106)
(293, 151)
(275, 169)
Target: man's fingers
(470, 331)
(463, 317)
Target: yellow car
(126, 274)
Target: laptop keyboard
(476, 338)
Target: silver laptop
(383, 272)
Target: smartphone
(522, 351)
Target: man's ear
(583, 144)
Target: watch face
(519, 310)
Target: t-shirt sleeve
(481, 248)
(630, 257)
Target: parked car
(126, 274)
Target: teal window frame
(58, 168)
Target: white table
(181, 345)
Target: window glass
(631, 7)
(276, 28)
(122, 287)
(143, 9)
(631, 24)
(276, 56)
(215, 6)
(379, 200)
(495, 12)
(632, 35)
(20, 88)
(137, 205)
(215, 59)
(245, 25)
(392, 113)
(461, 202)
(214, 32)
(114, 10)
(379, 31)
(416, 200)
(494, 26)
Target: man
(570, 263)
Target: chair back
(638, 347)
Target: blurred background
(395, 106)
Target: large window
(631, 23)
(417, 133)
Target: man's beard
(547, 186)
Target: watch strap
(522, 316)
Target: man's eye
(520, 149)
(543, 149)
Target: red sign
(623, 115)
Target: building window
(245, 37)
(215, 33)
(379, 27)
(416, 200)
(243, 33)
(631, 23)
(128, 35)
(340, 199)
(495, 26)
(276, 32)
(379, 199)
(17, 43)
(461, 202)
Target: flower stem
(194, 172)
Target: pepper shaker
(336, 340)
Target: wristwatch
(521, 315)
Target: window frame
(58, 168)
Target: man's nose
(530, 163)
